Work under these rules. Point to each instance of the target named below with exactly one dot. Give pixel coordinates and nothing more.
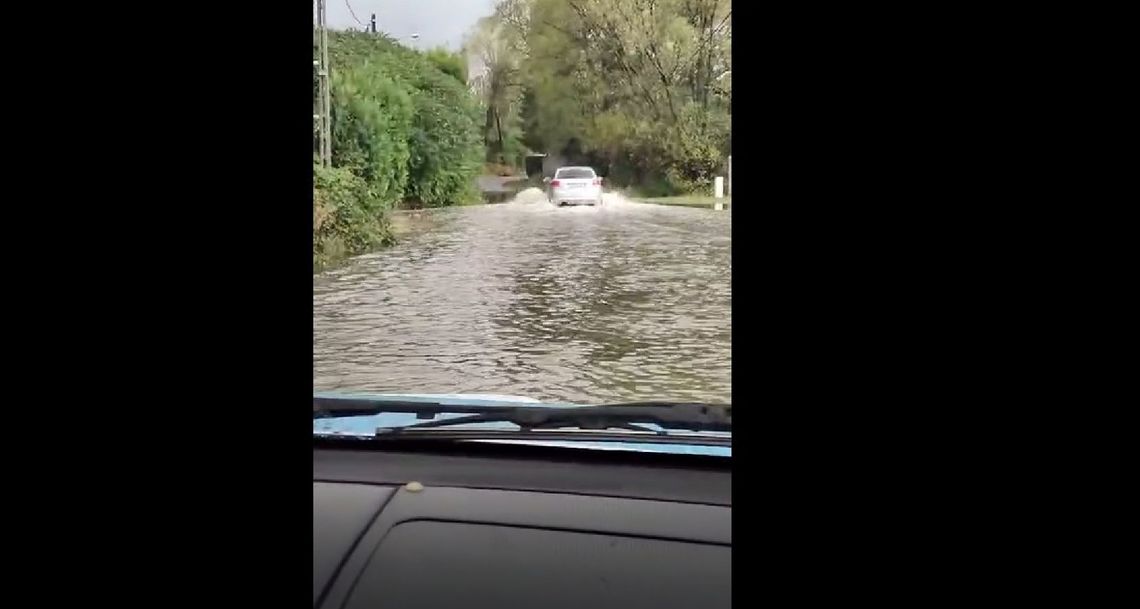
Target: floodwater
(622, 302)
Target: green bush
(371, 115)
(347, 219)
(405, 131)
(446, 147)
(682, 159)
(407, 127)
(452, 64)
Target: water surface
(622, 302)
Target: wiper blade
(324, 408)
(666, 415)
(553, 435)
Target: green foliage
(640, 87)
(513, 150)
(371, 117)
(498, 49)
(682, 159)
(452, 64)
(446, 154)
(405, 131)
(347, 219)
(404, 121)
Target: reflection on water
(623, 302)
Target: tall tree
(643, 83)
(496, 80)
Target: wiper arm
(324, 408)
(667, 415)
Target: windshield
(575, 173)
(443, 260)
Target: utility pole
(373, 23)
(323, 103)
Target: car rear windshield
(576, 172)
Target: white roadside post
(718, 192)
(730, 175)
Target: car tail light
(553, 183)
(597, 181)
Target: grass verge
(702, 201)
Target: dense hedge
(347, 219)
(402, 123)
(406, 132)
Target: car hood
(365, 426)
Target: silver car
(574, 186)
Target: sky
(438, 22)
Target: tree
(641, 83)
(495, 49)
(452, 64)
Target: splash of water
(537, 196)
(530, 196)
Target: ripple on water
(621, 302)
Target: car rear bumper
(576, 198)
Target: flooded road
(622, 302)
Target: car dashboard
(408, 529)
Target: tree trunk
(488, 124)
(499, 130)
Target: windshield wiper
(325, 407)
(538, 422)
(669, 416)
(711, 417)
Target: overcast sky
(438, 22)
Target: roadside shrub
(445, 141)
(405, 132)
(682, 159)
(452, 64)
(347, 220)
(371, 117)
(408, 128)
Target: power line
(354, 15)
